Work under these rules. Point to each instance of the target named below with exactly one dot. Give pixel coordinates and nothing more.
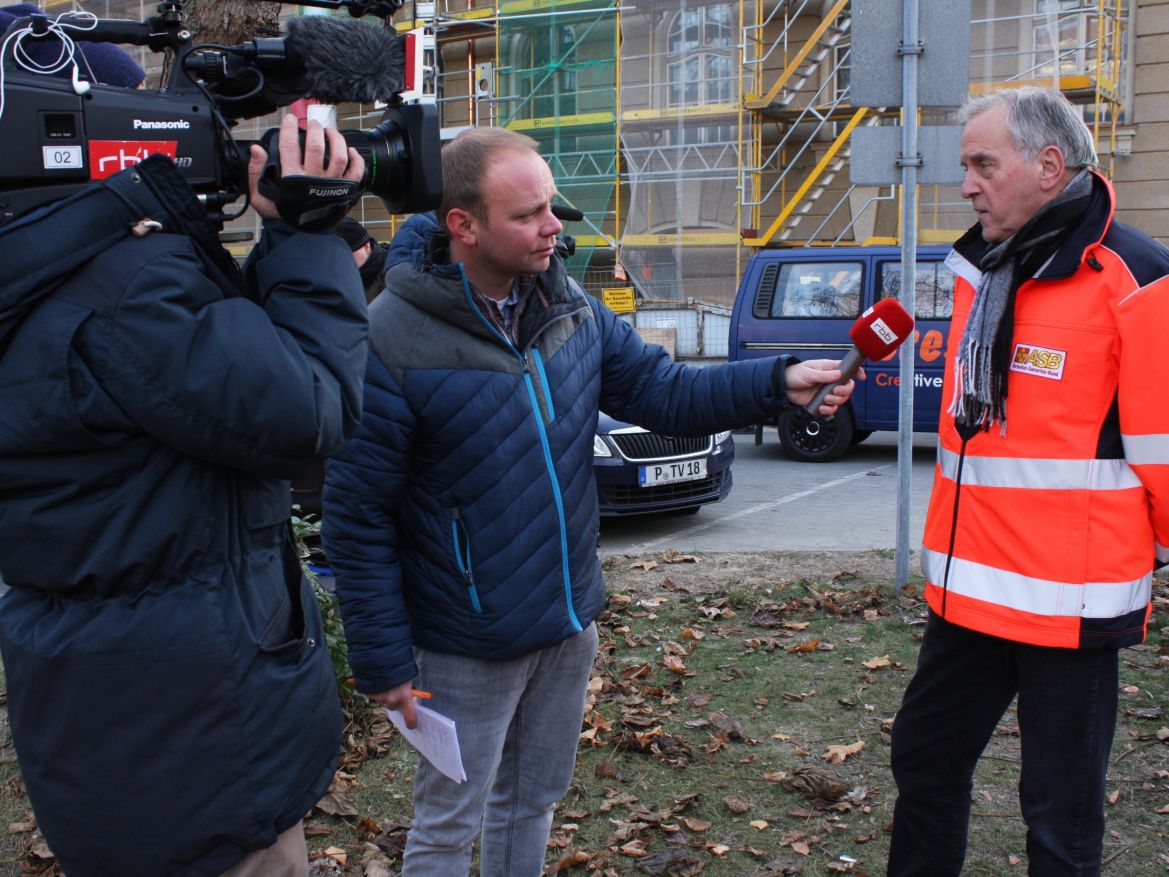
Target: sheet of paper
(435, 739)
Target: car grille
(622, 495)
(651, 446)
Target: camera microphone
(565, 213)
(346, 60)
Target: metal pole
(910, 51)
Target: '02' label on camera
(108, 157)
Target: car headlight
(600, 449)
(720, 437)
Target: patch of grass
(742, 729)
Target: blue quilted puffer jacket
(462, 516)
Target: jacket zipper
(544, 383)
(953, 523)
(462, 541)
(545, 445)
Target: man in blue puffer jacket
(461, 519)
(172, 700)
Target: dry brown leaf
(675, 665)
(729, 726)
(28, 824)
(736, 804)
(802, 848)
(839, 753)
(696, 824)
(604, 770)
(635, 848)
(637, 672)
(646, 565)
(673, 863)
(337, 804)
(377, 868)
(570, 860)
(808, 646)
(878, 663)
(757, 824)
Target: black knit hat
(353, 233)
(100, 62)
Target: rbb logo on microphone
(108, 157)
(887, 335)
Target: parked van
(803, 302)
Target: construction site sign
(619, 299)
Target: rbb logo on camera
(108, 157)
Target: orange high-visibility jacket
(1049, 534)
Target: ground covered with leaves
(738, 726)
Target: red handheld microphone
(877, 332)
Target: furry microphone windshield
(347, 60)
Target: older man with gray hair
(1056, 443)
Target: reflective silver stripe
(1162, 553)
(1039, 474)
(964, 268)
(1038, 596)
(1145, 449)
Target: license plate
(669, 473)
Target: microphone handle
(848, 367)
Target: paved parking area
(778, 504)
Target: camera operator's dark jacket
(462, 517)
(171, 697)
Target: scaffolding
(692, 132)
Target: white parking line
(677, 536)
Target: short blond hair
(465, 161)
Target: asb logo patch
(1043, 362)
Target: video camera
(61, 135)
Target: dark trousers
(1067, 715)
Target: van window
(933, 289)
(814, 289)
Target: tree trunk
(231, 21)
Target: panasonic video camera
(60, 135)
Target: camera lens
(397, 167)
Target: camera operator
(172, 699)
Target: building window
(1065, 35)
(701, 67)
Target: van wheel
(815, 441)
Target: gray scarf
(982, 362)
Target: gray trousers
(518, 724)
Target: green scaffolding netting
(558, 66)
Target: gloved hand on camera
(312, 192)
